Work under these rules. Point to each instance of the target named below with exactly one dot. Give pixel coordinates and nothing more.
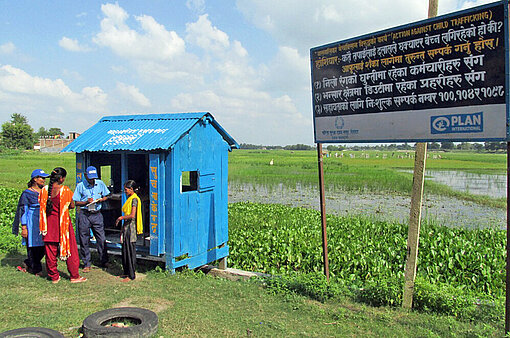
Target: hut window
(189, 181)
(106, 174)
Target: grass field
(15, 169)
(192, 304)
(372, 174)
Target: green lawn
(380, 172)
(373, 174)
(192, 304)
(15, 169)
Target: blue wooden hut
(180, 162)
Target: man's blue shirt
(84, 191)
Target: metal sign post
(323, 212)
(507, 301)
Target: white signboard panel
(440, 79)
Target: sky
(66, 64)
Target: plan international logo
(458, 123)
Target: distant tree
(52, 132)
(448, 145)
(17, 133)
(298, 147)
(495, 146)
(491, 146)
(465, 146)
(478, 147)
(18, 119)
(55, 132)
(434, 146)
(42, 132)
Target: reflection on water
(444, 210)
(493, 185)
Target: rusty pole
(323, 212)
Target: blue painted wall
(189, 225)
(200, 217)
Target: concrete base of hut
(231, 274)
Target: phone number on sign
(472, 93)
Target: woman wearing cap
(27, 214)
(58, 235)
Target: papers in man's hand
(93, 202)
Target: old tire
(39, 332)
(146, 323)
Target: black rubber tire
(39, 332)
(92, 325)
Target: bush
(8, 203)
(381, 292)
(8, 242)
(313, 285)
(455, 301)
(278, 239)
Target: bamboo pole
(413, 238)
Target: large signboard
(444, 78)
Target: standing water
(493, 185)
(388, 207)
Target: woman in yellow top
(132, 225)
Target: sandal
(56, 280)
(20, 268)
(79, 280)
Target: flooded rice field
(492, 185)
(443, 210)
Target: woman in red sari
(55, 201)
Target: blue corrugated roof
(141, 132)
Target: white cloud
(288, 72)
(246, 98)
(119, 69)
(256, 119)
(196, 5)
(72, 45)
(469, 4)
(21, 86)
(306, 24)
(203, 34)
(158, 54)
(71, 74)
(7, 48)
(133, 94)
(153, 43)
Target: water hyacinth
(278, 239)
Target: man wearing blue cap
(89, 195)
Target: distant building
(54, 144)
